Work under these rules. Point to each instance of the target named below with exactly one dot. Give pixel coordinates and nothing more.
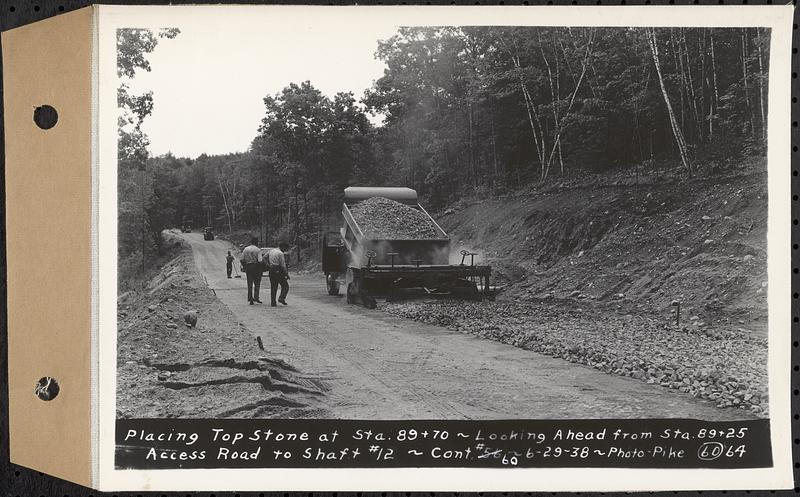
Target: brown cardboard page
(48, 221)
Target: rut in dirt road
(377, 366)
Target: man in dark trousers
(229, 263)
(278, 273)
(253, 267)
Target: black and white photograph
(375, 221)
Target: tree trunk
(566, 61)
(636, 124)
(761, 90)
(532, 115)
(692, 95)
(704, 84)
(558, 98)
(472, 166)
(584, 65)
(143, 219)
(676, 131)
(554, 97)
(716, 89)
(296, 213)
(679, 69)
(305, 208)
(225, 203)
(746, 86)
(494, 152)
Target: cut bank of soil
(701, 242)
(167, 369)
(592, 273)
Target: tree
(141, 208)
(309, 147)
(676, 130)
(478, 110)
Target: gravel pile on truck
(390, 247)
(381, 218)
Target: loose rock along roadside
(376, 366)
(591, 270)
(727, 368)
(166, 368)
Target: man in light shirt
(252, 261)
(278, 273)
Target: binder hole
(45, 116)
(47, 388)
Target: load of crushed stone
(384, 219)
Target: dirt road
(376, 366)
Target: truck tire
(332, 283)
(352, 289)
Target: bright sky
(208, 83)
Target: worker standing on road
(253, 267)
(229, 263)
(278, 273)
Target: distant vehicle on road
(208, 233)
(186, 227)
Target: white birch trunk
(676, 131)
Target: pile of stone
(381, 218)
(726, 368)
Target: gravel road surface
(377, 366)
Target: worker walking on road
(278, 273)
(252, 262)
(229, 263)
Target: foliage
(144, 188)
(466, 111)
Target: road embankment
(215, 369)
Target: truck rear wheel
(332, 283)
(352, 288)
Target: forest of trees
(465, 110)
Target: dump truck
(412, 258)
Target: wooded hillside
(465, 111)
